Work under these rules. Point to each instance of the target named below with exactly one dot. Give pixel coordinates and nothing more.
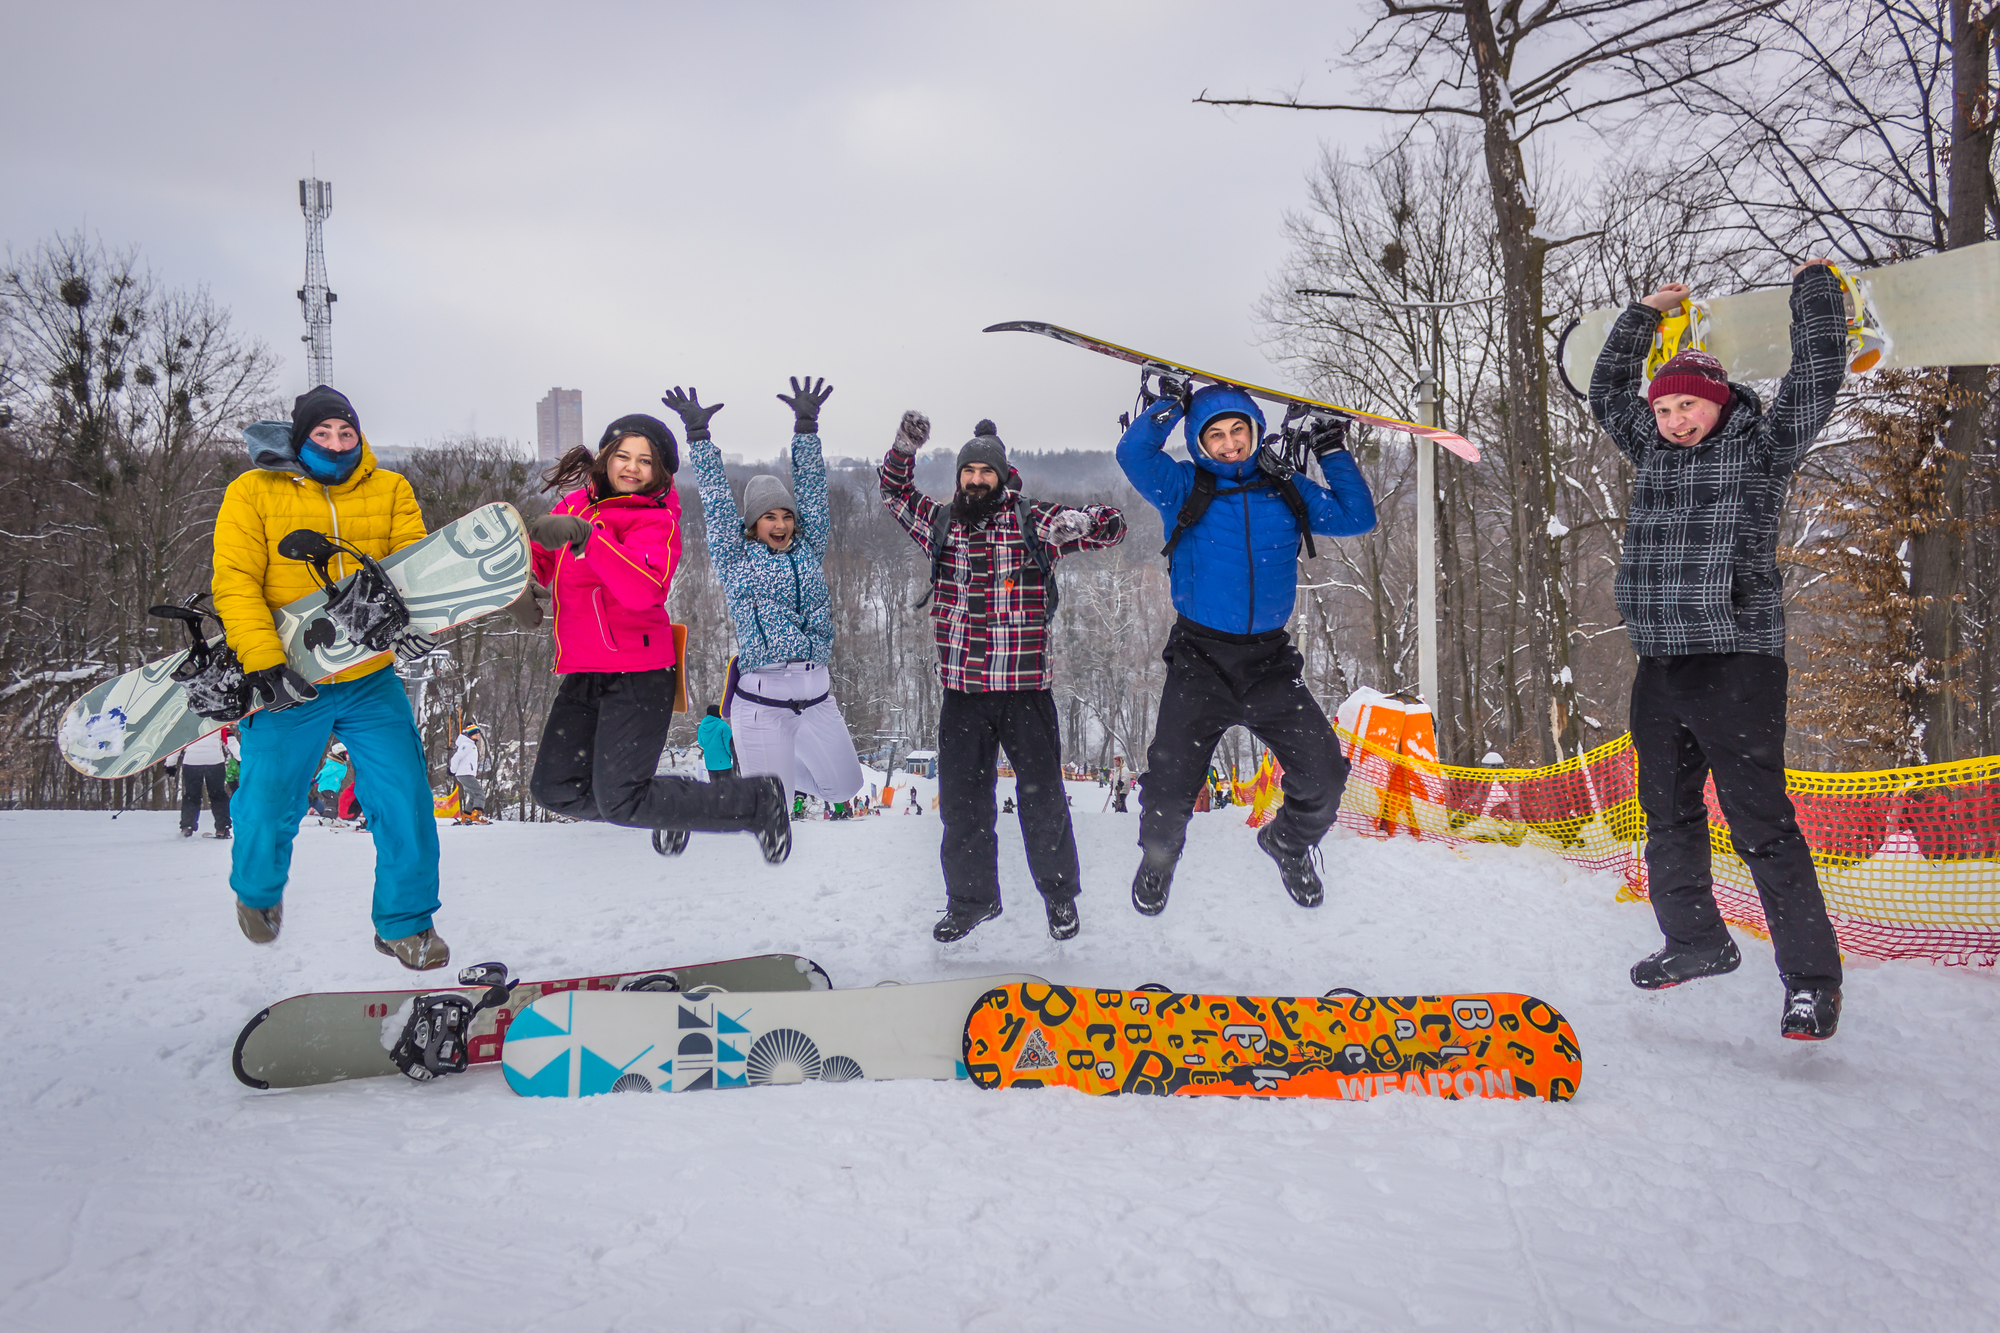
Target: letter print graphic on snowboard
(1347, 1047)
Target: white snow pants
(811, 749)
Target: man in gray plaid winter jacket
(1699, 589)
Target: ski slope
(1709, 1175)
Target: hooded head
(714, 710)
(1212, 403)
(312, 409)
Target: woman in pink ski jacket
(607, 553)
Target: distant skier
(1235, 517)
(1699, 588)
(203, 765)
(1120, 783)
(330, 484)
(467, 758)
(770, 559)
(718, 750)
(328, 781)
(992, 592)
(609, 551)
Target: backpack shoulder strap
(1192, 508)
(940, 532)
(1288, 491)
(1037, 552)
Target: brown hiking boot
(260, 925)
(420, 952)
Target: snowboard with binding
(330, 1036)
(583, 1043)
(468, 568)
(1295, 404)
(1343, 1045)
(1939, 310)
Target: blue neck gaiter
(325, 466)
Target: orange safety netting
(1262, 793)
(1909, 859)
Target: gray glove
(553, 530)
(1071, 525)
(912, 434)
(526, 610)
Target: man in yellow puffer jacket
(331, 485)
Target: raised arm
(1164, 482)
(914, 510)
(720, 518)
(1819, 364)
(1344, 506)
(1065, 531)
(808, 460)
(1618, 382)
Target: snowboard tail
(582, 1043)
(1458, 444)
(1345, 1047)
(337, 1035)
(468, 568)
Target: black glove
(692, 414)
(277, 687)
(553, 530)
(1329, 436)
(804, 402)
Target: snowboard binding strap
(434, 1037)
(210, 674)
(367, 605)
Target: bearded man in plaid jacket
(1699, 588)
(990, 603)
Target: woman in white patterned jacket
(769, 557)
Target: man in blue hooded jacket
(1233, 564)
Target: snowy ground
(1709, 1175)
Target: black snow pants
(972, 730)
(1216, 681)
(599, 749)
(1725, 713)
(195, 778)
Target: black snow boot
(1673, 964)
(1063, 924)
(959, 919)
(1811, 1014)
(773, 821)
(670, 841)
(1296, 868)
(1151, 886)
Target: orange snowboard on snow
(1349, 1047)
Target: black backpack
(941, 529)
(1271, 472)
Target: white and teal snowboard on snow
(1940, 310)
(468, 568)
(581, 1043)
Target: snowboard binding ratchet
(434, 1037)
(211, 675)
(1866, 342)
(366, 606)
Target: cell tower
(316, 201)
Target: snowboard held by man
(1237, 515)
(329, 483)
(608, 552)
(991, 594)
(1699, 589)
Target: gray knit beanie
(984, 447)
(763, 494)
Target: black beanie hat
(985, 447)
(653, 429)
(317, 405)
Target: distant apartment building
(559, 422)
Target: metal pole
(1427, 573)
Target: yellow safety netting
(1909, 858)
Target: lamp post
(1430, 412)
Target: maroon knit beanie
(1692, 372)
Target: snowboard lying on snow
(581, 1043)
(470, 567)
(1343, 1045)
(327, 1037)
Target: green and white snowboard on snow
(582, 1043)
(468, 568)
(1940, 310)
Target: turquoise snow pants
(281, 755)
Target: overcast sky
(618, 198)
